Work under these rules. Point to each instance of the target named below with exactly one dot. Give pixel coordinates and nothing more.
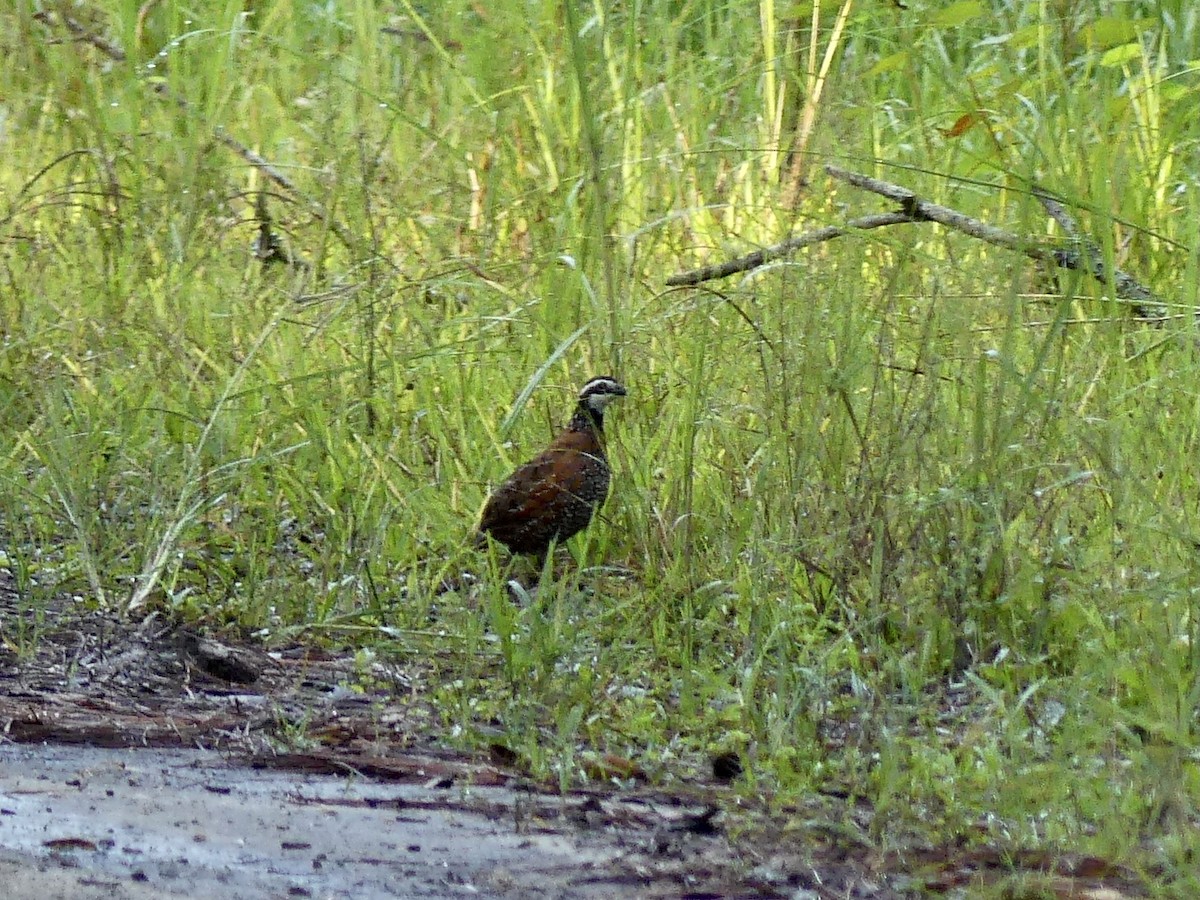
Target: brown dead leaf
(961, 126)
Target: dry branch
(1087, 256)
(767, 254)
(1084, 256)
(1081, 254)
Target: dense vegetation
(902, 514)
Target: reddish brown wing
(561, 471)
(547, 491)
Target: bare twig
(1146, 305)
(767, 254)
(1081, 255)
(923, 210)
(73, 25)
(1088, 256)
(1057, 212)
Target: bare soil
(138, 759)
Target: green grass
(900, 515)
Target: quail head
(556, 494)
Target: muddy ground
(144, 760)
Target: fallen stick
(1083, 256)
(1088, 256)
(767, 254)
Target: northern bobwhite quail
(555, 494)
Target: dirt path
(306, 787)
(84, 822)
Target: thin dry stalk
(812, 100)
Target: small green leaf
(1173, 91)
(1118, 56)
(1116, 108)
(888, 64)
(1027, 36)
(957, 13)
(1108, 31)
(1011, 87)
